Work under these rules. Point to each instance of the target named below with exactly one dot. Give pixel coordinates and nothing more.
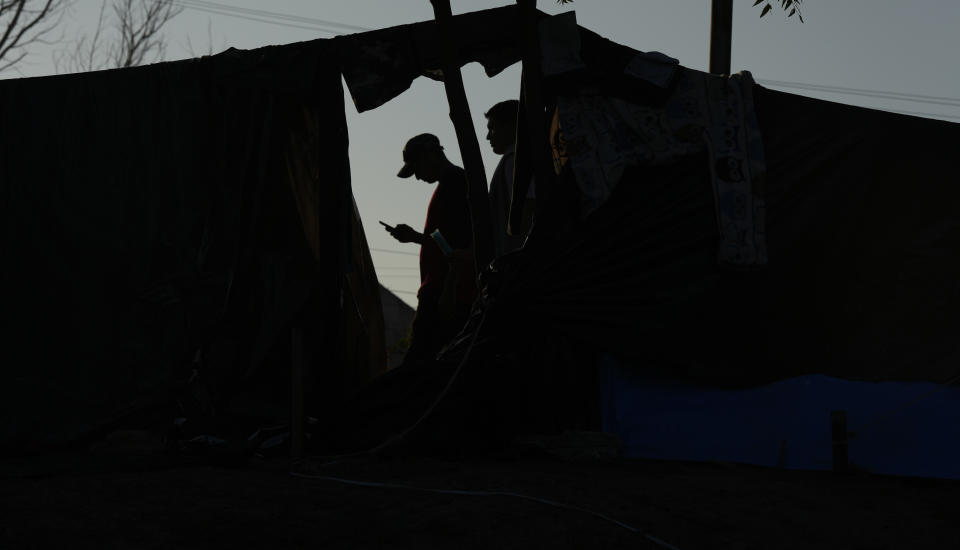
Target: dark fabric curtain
(862, 279)
(167, 219)
(863, 233)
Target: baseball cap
(416, 146)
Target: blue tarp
(899, 428)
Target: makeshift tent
(397, 317)
(715, 236)
(705, 240)
(164, 227)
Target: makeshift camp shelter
(702, 242)
(165, 228)
(397, 317)
(719, 243)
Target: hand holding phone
(403, 233)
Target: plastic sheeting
(380, 65)
(896, 428)
(170, 221)
(862, 235)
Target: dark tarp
(861, 228)
(171, 222)
(380, 65)
(858, 280)
(861, 283)
(862, 231)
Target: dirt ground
(94, 503)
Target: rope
(510, 494)
(332, 459)
(400, 435)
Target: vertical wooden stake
(466, 137)
(296, 392)
(533, 109)
(721, 36)
(838, 429)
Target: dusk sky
(874, 46)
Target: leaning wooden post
(466, 137)
(535, 121)
(840, 438)
(296, 392)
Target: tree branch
(26, 22)
(136, 29)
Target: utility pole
(721, 35)
(466, 137)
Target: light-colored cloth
(603, 135)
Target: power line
(241, 15)
(336, 27)
(326, 24)
(248, 18)
(394, 252)
(278, 15)
(903, 96)
(916, 98)
(271, 14)
(395, 291)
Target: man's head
(423, 157)
(502, 125)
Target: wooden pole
(721, 36)
(522, 166)
(296, 392)
(840, 438)
(538, 147)
(466, 138)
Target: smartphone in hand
(389, 227)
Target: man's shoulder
(453, 176)
(506, 159)
(455, 172)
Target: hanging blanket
(603, 135)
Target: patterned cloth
(603, 135)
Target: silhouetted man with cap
(447, 283)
